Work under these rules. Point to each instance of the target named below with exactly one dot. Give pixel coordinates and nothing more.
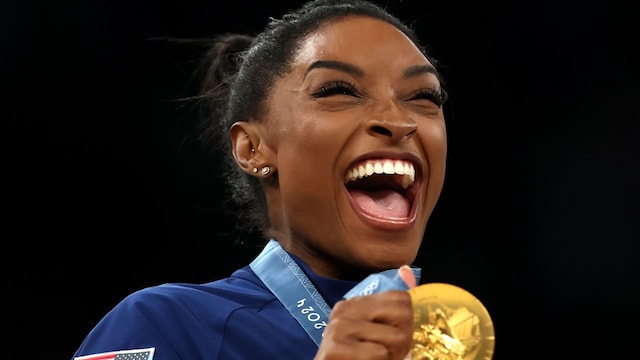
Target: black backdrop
(105, 192)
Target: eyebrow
(413, 71)
(419, 70)
(336, 65)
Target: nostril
(381, 130)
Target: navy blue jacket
(232, 318)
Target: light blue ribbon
(292, 287)
(286, 280)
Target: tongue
(382, 203)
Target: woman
(333, 117)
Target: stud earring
(255, 170)
(265, 170)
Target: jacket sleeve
(160, 318)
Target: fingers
(377, 326)
(354, 350)
(389, 307)
(407, 275)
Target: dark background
(105, 191)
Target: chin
(389, 257)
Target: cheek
(312, 143)
(307, 184)
(435, 148)
(306, 157)
(434, 140)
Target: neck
(323, 264)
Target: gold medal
(450, 324)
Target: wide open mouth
(383, 188)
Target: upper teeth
(390, 167)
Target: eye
(437, 96)
(335, 88)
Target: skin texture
(310, 142)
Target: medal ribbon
(286, 280)
(382, 281)
(292, 287)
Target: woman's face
(359, 143)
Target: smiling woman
(323, 120)
(336, 140)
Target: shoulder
(242, 289)
(178, 320)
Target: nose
(392, 124)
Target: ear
(249, 149)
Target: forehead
(362, 40)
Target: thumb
(407, 276)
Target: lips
(382, 189)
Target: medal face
(450, 324)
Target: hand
(378, 326)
